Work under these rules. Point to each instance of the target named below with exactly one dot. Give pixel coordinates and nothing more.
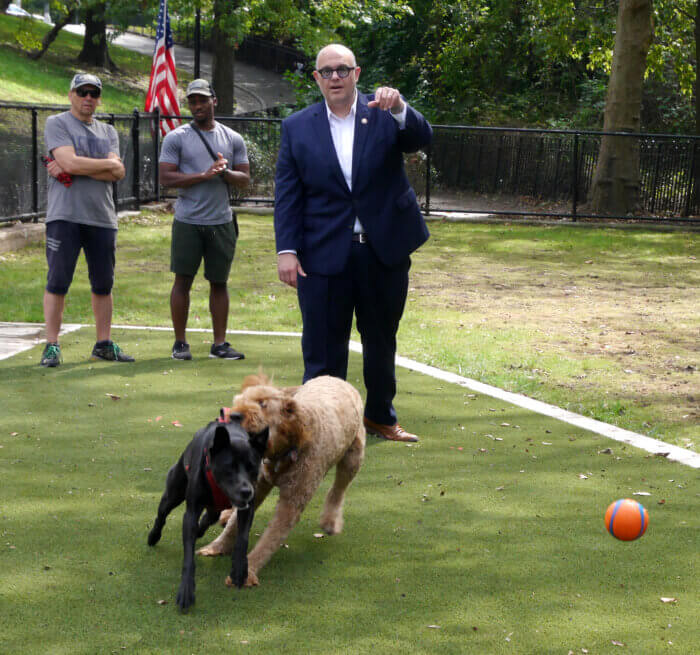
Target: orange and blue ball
(626, 519)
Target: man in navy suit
(346, 221)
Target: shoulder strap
(214, 157)
(204, 141)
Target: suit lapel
(323, 133)
(362, 125)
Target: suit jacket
(314, 209)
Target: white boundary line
(675, 453)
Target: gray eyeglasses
(343, 72)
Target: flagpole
(197, 41)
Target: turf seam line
(654, 446)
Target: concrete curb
(18, 236)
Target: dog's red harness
(221, 500)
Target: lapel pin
(364, 121)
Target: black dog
(218, 470)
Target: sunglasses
(343, 72)
(93, 93)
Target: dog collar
(224, 415)
(221, 500)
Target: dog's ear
(221, 440)
(258, 440)
(292, 424)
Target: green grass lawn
(46, 81)
(482, 538)
(601, 322)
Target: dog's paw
(225, 516)
(212, 550)
(238, 576)
(185, 595)
(332, 524)
(252, 580)
(154, 537)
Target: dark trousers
(377, 295)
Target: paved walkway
(255, 88)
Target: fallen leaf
(505, 425)
(434, 627)
(665, 599)
(113, 396)
(319, 535)
(148, 468)
(500, 488)
(162, 602)
(546, 443)
(581, 476)
(617, 643)
(14, 434)
(641, 493)
(177, 424)
(605, 451)
(662, 501)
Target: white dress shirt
(343, 136)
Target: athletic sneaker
(51, 356)
(109, 352)
(181, 350)
(224, 351)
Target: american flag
(162, 89)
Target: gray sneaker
(51, 356)
(181, 350)
(110, 352)
(224, 351)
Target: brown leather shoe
(391, 432)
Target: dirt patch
(644, 324)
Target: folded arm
(108, 169)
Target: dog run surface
(17, 337)
(485, 537)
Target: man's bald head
(337, 49)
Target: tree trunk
(615, 187)
(697, 68)
(223, 66)
(95, 51)
(51, 35)
(693, 205)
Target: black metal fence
(515, 172)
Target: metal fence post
(574, 189)
(691, 180)
(156, 150)
(136, 166)
(427, 177)
(35, 164)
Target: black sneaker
(224, 351)
(109, 352)
(51, 356)
(181, 350)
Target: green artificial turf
(485, 537)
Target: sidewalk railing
(501, 171)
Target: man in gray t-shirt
(83, 162)
(202, 160)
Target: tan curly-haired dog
(312, 428)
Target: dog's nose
(245, 493)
